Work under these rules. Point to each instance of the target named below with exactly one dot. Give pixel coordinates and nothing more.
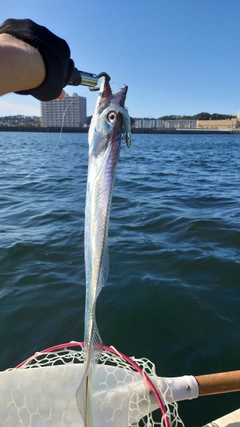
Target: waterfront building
(68, 112)
(165, 124)
(148, 123)
(238, 119)
(227, 124)
(180, 124)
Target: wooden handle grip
(223, 382)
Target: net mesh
(41, 392)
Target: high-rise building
(68, 112)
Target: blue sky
(177, 57)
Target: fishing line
(58, 142)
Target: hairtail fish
(109, 121)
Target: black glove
(55, 53)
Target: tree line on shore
(199, 116)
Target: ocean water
(173, 293)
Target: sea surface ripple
(173, 292)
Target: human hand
(55, 54)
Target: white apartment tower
(68, 112)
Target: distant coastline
(134, 130)
(202, 123)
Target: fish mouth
(106, 95)
(109, 100)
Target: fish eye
(112, 117)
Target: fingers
(62, 95)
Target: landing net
(41, 391)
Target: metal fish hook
(98, 76)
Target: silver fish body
(105, 134)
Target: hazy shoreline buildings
(68, 112)
(71, 115)
(159, 124)
(164, 124)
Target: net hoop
(134, 365)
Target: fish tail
(93, 353)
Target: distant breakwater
(134, 130)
